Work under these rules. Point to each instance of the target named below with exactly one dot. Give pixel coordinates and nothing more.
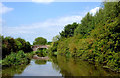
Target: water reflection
(40, 62)
(77, 67)
(58, 66)
(11, 71)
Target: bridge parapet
(35, 47)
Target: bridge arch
(35, 47)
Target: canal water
(58, 66)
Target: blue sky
(30, 20)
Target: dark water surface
(58, 66)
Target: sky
(30, 20)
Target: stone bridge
(35, 47)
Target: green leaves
(10, 44)
(96, 39)
(15, 59)
(69, 30)
(41, 52)
(87, 24)
(40, 41)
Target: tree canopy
(56, 38)
(10, 44)
(87, 24)
(40, 41)
(69, 30)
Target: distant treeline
(10, 45)
(96, 38)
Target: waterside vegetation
(19, 52)
(96, 39)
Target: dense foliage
(40, 41)
(41, 52)
(10, 44)
(69, 30)
(96, 39)
(14, 59)
(87, 24)
(56, 38)
(49, 43)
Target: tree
(28, 47)
(23, 42)
(49, 43)
(69, 30)
(56, 38)
(10, 44)
(87, 24)
(40, 41)
(23, 45)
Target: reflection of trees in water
(54, 63)
(11, 71)
(40, 62)
(54, 59)
(77, 67)
(55, 66)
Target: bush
(13, 59)
(53, 48)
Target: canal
(57, 66)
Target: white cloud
(43, 1)
(4, 9)
(93, 11)
(47, 29)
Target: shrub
(16, 59)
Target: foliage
(41, 52)
(49, 43)
(10, 44)
(96, 39)
(40, 41)
(56, 38)
(69, 30)
(53, 48)
(13, 59)
(1, 47)
(87, 24)
(23, 45)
